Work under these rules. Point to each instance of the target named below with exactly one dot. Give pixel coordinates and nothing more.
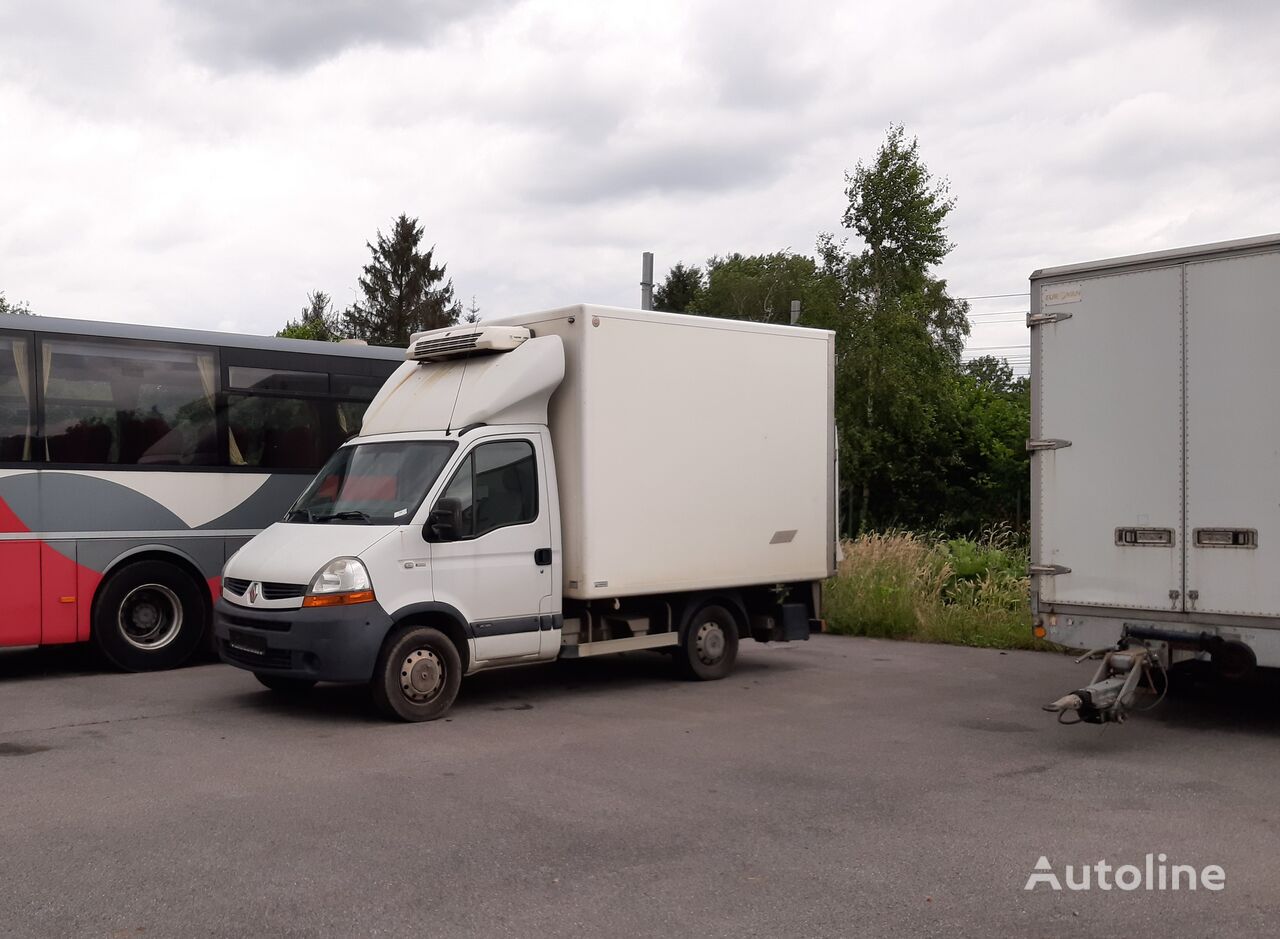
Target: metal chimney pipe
(646, 281)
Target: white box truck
(561, 484)
(1156, 458)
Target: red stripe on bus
(20, 624)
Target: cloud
(295, 34)
(201, 163)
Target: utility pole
(795, 312)
(646, 281)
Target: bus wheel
(417, 675)
(710, 645)
(149, 615)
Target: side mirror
(445, 521)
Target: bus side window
(276, 432)
(128, 403)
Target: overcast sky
(203, 163)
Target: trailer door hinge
(1050, 443)
(1048, 570)
(1043, 319)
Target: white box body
(1159, 371)
(692, 453)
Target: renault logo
(255, 591)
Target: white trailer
(560, 484)
(1156, 453)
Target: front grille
(272, 658)
(274, 625)
(272, 591)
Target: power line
(993, 296)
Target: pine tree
(472, 314)
(403, 291)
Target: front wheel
(417, 675)
(149, 615)
(710, 645)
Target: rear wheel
(417, 675)
(710, 644)
(149, 615)
(285, 684)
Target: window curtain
(46, 363)
(209, 383)
(23, 369)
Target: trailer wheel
(417, 675)
(710, 645)
(285, 684)
(149, 615)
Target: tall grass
(964, 591)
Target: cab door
(490, 534)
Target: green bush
(964, 591)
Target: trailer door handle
(542, 557)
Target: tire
(150, 615)
(285, 684)
(710, 645)
(417, 675)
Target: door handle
(542, 557)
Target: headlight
(340, 582)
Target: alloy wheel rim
(150, 617)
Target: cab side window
(496, 486)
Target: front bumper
(323, 643)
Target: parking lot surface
(839, 787)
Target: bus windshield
(372, 483)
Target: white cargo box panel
(1108, 416)
(692, 452)
(1233, 434)
(1157, 470)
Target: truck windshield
(372, 483)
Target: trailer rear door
(1108, 415)
(1233, 441)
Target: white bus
(134, 460)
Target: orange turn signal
(338, 599)
(1038, 631)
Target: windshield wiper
(350, 515)
(295, 513)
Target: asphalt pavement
(837, 787)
